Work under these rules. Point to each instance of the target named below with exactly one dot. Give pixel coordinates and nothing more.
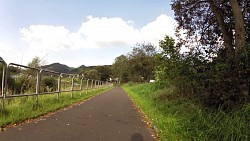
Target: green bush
(206, 75)
(49, 84)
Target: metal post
(3, 84)
(87, 86)
(81, 85)
(99, 84)
(72, 86)
(92, 81)
(37, 85)
(59, 86)
(95, 86)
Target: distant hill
(82, 67)
(66, 69)
(58, 68)
(78, 70)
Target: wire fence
(19, 81)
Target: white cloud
(46, 37)
(156, 30)
(101, 32)
(97, 32)
(7, 53)
(4, 47)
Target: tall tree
(35, 63)
(214, 22)
(92, 74)
(168, 60)
(221, 29)
(142, 61)
(138, 65)
(104, 72)
(120, 68)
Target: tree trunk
(240, 44)
(228, 38)
(240, 32)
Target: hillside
(78, 70)
(58, 68)
(66, 69)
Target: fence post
(38, 74)
(99, 83)
(92, 81)
(95, 86)
(81, 85)
(72, 86)
(87, 86)
(3, 83)
(59, 85)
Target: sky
(80, 32)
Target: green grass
(178, 118)
(23, 108)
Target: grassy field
(23, 108)
(179, 118)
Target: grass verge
(179, 118)
(23, 108)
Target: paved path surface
(106, 117)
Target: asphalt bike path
(110, 116)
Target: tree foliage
(213, 22)
(36, 62)
(142, 62)
(48, 84)
(104, 72)
(92, 74)
(138, 65)
(217, 33)
(120, 68)
(179, 70)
